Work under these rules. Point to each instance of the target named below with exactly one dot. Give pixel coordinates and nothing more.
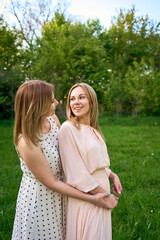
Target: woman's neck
(85, 121)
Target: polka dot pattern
(40, 212)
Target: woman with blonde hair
(86, 164)
(40, 207)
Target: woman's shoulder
(22, 146)
(67, 128)
(25, 150)
(21, 142)
(66, 125)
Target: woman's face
(53, 106)
(79, 104)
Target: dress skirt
(86, 221)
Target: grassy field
(134, 149)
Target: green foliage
(121, 63)
(133, 146)
(69, 53)
(131, 39)
(141, 83)
(10, 68)
(133, 57)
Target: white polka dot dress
(40, 213)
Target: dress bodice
(49, 144)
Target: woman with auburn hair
(40, 207)
(86, 164)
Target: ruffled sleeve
(74, 168)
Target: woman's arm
(111, 200)
(117, 187)
(36, 162)
(75, 170)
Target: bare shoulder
(21, 144)
(55, 118)
(26, 150)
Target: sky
(104, 10)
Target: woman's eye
(52, 100)
(82, 97)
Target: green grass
(10, 176)
(134, 149)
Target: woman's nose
(77, 100)
(56, 102)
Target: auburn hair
(32, 103)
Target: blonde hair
(93, 103)
(32, 103)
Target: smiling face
(79, 105)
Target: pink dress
(86, 164)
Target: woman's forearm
(97, 190)
(110, 202)
(70, 191)
(97, 199)
(112, 175)
(117, 187)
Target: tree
(30, 16)
(132, 45)
(130, 39)
(121, 64)
(10, 71)
(69, 53)
(142, 85)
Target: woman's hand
(116, 186)
(105, 200)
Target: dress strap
(51, 121)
